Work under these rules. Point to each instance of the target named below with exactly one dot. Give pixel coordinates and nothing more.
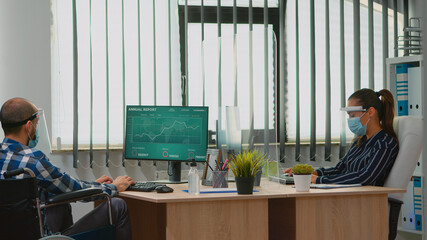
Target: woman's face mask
(356, 126)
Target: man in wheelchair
(19, 119)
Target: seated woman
(372, 154)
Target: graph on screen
(167, 130)
(166, 133)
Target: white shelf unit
(416, 61)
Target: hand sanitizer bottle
(193, 179)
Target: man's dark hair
(15, 110)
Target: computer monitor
(167, 133)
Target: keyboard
(289, 179)
(282, 179)
(144, 186)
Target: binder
(402, 88)
(407, 213)
(414, 92)
(418, 203)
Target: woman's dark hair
(383, 102)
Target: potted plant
(245, 166)
(302, 177)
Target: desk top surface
(266, 190)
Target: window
(195, 81)
(127, 85)
(304, 61)
(123, 61)
(110, 77)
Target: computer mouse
(163, 189)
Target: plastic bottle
(193, 179)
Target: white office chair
(409, 131)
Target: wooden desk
(275, 212)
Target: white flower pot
(302, 182)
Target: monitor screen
(166, 133)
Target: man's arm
(54, 181)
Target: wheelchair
(21, 209)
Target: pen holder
(220, 179)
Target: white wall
(25, 51)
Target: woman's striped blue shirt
(367, 164)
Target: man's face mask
(33, 142)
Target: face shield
(353, 109)
(44, 141)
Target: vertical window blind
(278, 61)
(321, 77)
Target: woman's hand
(314, 177)
(288, 171)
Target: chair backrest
(409, 131)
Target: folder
(414, 92)
(402, 88)
(407, 213)
(418, 203)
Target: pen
(217, 161)
(210, 167)
(206, 167)
(223, 166)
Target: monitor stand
(174, 171)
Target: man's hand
(104, 179)
(122, 183)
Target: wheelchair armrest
(75, 195)
(18, 171)
(393, 217)
(83, 194)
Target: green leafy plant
(247, 163)
(302, 169)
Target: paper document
(325, 186)
(218, 190)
